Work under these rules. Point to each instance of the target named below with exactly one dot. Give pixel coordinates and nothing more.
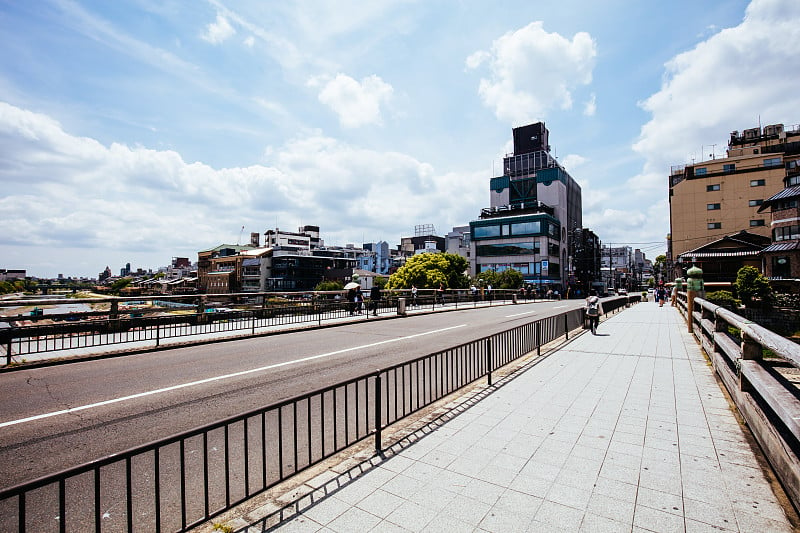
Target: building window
(757, 183)
(757, 222)
(729, 167)
(714, 187)
(794, 180)
(485, 232)
(700, 171)
(773, 162)
(715, 225)
(712, 207)
(754, 203)
(519, 248)
(526, 228)
(786, 233)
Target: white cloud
(573, 161)
(356, 103)
(590, 107)
(66, 191)
(219, 30)
(250, 42)
(533, 71)
(720, 86)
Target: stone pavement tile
(354, 520)
(466, 509)
(619, 510)
(498, 475)
(750, 522)
(620, 473)
(397, 463)
(438, 458)
(421, 471)
(720, 515)
(530, 485)
(402, 485)
(577, 498)
(581, 479)
(380, 503)
(598, 524)
(671, 483)
(483, 491)
(555, 516)
(508, 461)
(327, 510)
(452, 481)
(615, 489)
(502, 520)
(693, 526)
(514, 501)
(628, 438)
(432, 497)
(537, 469)
(354, 492)
(553, 457)
(412, 516)
(660, 501)
(301, 524)
(384, 526)
(447, 522)
(653, 520)
(468, 466)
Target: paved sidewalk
(624, 431)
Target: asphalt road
(57, 417)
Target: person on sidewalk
(414, 302)
(661, 295)
(440, 293)
(594, 308)
(374, 299)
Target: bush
(723, 298)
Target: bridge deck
(624, 431)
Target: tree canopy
(750, 284)
(507, 279)
(428, 270)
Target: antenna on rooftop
(238, 242)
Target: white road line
(219, 378)
(560, 307)
(521, 314)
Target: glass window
(786, 233)
(519, 248)
(506, 229)
(754, 203)
(715, 225)
(794, 180)
(728, 168)
(757, 183)
(483, 232)
(714, 187)
(712, 207)
(757, 222)
(772, 162)
(526, 228)
(700, 171)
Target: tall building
(535, 207)
(722, 196)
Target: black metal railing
(179, 482)
(83, 331)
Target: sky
(138, 131)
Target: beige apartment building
(722, 196)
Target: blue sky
(142, 130)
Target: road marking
(219, 378)
(560, 307)
(521, 314)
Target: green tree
(751, 284)
(120, 284)
(660, 267)
(427, 271)
(329, 286)
(380, 282)
(507, 279)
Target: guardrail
(118, 326)
(747, 358)
(182, 481)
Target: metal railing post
(489, 361)
(538, 338)
(566, 327)
(378, 411)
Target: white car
(622, 292)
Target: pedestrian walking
(661, 295)
(359, 299)
(440, 293)
(414, 296)
(374, 299)
(594, 308)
